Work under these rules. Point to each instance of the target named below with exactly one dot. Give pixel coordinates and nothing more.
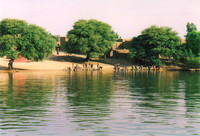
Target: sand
(54, 62)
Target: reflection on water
(99, 103)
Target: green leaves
(191, 27)
(155, 41)
(90, 36)
(9, 46)
(12, 27)
(193, 42)
(17, 36)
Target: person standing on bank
(58, 49)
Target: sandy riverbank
(63, 61)
(54, 62)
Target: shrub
(193, 62)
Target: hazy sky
(127, 17)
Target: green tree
(192, 39)
(154, 42)
(191, 27)
(90, 37)
(19, 37)
(193, 42)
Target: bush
(95, 55)
(156, 61)
(193, 62)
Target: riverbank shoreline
(104, 69)
(67, 62)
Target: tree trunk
(87, 57)
(10, 64)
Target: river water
(100, 103)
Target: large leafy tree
(193, 42)
(19, 37)
(90, 37)
(154, 42)
(193, 39)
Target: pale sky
(127, 17)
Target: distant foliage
(90, 37)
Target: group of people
(123, 67)
(85, 67)
(117, 67)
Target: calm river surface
(99, 104)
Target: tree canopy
(191, 27)
(90, 37)
(31, 41)
(193, 39)
(193, 42)
(155, 41)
